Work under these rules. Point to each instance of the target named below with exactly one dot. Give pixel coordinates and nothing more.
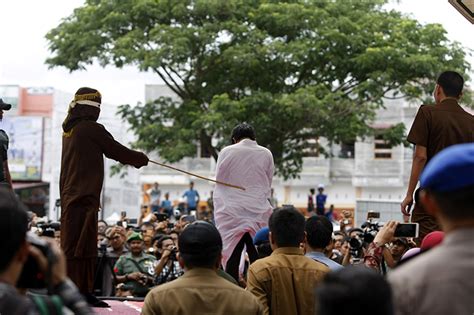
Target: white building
(369, 171)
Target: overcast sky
(23, 48)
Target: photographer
(167, 269)
(20, 258)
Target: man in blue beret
(440, 281)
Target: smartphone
(170, 225)
(373, 215)
(406, 230)
(161, 217)
(189, 218)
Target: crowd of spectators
(305, 265)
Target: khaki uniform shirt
(439, 282)
(200, 291)
(125, 265)
(442, 125)
(285, 281)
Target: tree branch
(172, 87)
(174, 82)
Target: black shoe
(94, 301)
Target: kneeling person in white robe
(240, 214)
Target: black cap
(200, 238)
(4, 106)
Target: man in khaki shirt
(200, 290)
(285, 281)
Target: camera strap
(138, 266)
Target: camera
(370, 229)
(31, 276)
(173, 253)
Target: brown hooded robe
(82, 172)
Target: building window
(347, 150)
(312, 148)
(382, 149)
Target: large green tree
(296, 70)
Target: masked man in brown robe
(85, 142)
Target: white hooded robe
(237, 212)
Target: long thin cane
(198, 176)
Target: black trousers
(233, 263)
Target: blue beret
(261, 236)
(449, 170)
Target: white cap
(320, 186)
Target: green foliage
(296, 70)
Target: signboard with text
(25, 147)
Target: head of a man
(448, 84)
(165, 242)
(200, 246)
(242, 131)
(312, 191)
(318, 232)
(174, 236)
(102, 226)
(4, 106)
(447, 187)
(354, 288)
(135, 243)
(338, 240)
(398, 248)
(156, 185)
(14, 223)
(286, 227)
(117, 238)
(320, 188)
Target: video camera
(370, 228)
(31, 276)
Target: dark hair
(346, 291)
(147, 224)
(242, 131)
(162, 239)
(312, 190)
(13, 224)
(200, 245)
(318, 231)
(456, 205)
(451, 82)
(264, 249)
(287, 226)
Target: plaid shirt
(169, 273)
